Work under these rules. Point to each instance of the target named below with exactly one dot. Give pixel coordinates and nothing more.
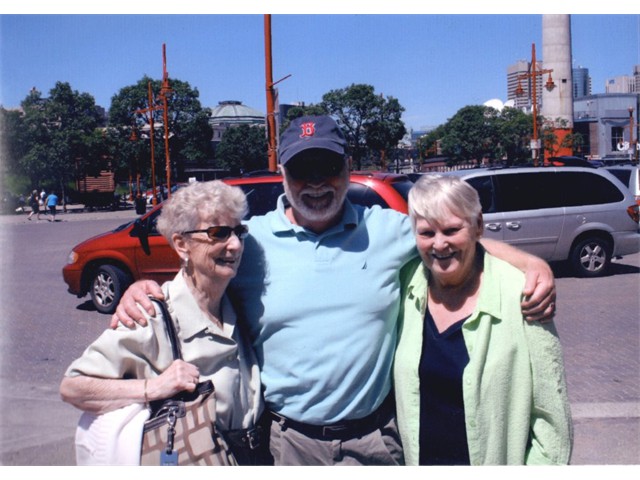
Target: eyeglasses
(222, 233)
(307, 169)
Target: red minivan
(105, 265)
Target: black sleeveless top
(443, 437)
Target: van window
(582, 188)
(532, 191)
(528, 191)
(484, 187)
(624, 175)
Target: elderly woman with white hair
(202, 222)
(475, 384)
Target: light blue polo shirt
(323, 309)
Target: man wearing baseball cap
(319, 289)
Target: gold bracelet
(146, 399)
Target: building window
(617, 136)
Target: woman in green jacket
(475, 384)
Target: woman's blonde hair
(434, 196)
(189, 205)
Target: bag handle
(170, 327)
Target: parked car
(105, 265)
(585, 216)
(628, 175)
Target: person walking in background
(474, 383)
(51, 205)
(34, 203)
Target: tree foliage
(471, 134)
(370, 122)
(188, 124)
(514, 132)
(302, 111)
(242, 149)
(57, 134)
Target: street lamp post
(549, 85)
(633, 150)
(165, 91)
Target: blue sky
(433, 64)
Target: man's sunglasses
(222, 233)
(309, 169)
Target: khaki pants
(380, 447)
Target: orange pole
(165, 117)
(535, 103)
(271, 121)
(153, 158)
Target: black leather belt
(344, 429)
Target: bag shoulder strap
(170, 327)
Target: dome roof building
(232, 113)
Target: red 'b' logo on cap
(308, 129)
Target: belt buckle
(253, 438)
(329, 430)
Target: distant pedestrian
(34, 203)
(52, 203)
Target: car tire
(591, 257)
(107, 286)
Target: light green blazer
(514, 390)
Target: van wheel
(107, 286)
(591, 257)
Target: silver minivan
(582, 215)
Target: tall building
(636, 78)
(514, 71)
(620, 84)
(581, 82)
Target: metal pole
(271, 122)
(535, 104)
(153, 158)
(166, 90)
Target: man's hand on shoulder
(539, 293)
(127, 313)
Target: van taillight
(634, 212)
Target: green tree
(368, 120)
(471, 134)
(301, 111)
(188, 124)
(13, 148)
(242, 149)
(514, 131)
(386, 128)
(56, 134)
(428, 144)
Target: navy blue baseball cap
(317, 132)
